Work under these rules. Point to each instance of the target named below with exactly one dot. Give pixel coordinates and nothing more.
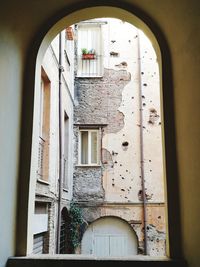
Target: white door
(109, 237)
(110, 245)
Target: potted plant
(88, 54)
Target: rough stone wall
(98, 102)
(100, 98)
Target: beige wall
(22, 24)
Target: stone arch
(115, 233)
(34, 56)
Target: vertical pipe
(141, 151)
(60, 143)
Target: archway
(73, 17)
(109, 237)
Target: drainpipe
(60, 181)
(142, 152)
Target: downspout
(60, 181)
(142, 152)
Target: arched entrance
(109, 237)
(73, 17)
(64, 231)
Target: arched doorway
(109, 237)
(73, 17)
(64, 231)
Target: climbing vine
(76, 220)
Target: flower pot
(88, 56)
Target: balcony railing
(40, 170)
(90, 66)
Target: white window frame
(98, 62)
(89, 147)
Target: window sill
(78, 260)
(88, 77)
(66, 190)
(43, 181)
(89, 165)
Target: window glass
(93, 147)
(84, 147)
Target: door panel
(101, 245)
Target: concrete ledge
(80, 260)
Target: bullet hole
(113, 41)
(132, 112)
(159, 123)
(114, 54)
(123, 135)
(120, 175)
(125, 145)
(143, 127)
(135, 36)
(144, 84)
(144, 104)
(143, 96)
(130, 187)
(159, 217)
(122, 64)
(126, 170)
(114, 153)
(152, 110)
(149, 160)
(122, 189)
(115, 161)
(125, 197)
(148, 228)
(120, 164)
(153, 116)
(142, 72)
(140, 195)
(150, 170)
(113, 184)
(132, 97)
(123, 178)
(129, 41)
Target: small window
(90, 50)
(89, 147)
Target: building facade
(52, 156)
(118, 163)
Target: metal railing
(91, 66)
(40, 171)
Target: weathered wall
(129, 64)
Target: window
(44, 128)
(90, 52)
(89, 147)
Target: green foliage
(75, 224)
(84, 51)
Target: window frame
(97, 61)
(89, 130)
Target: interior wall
(22, 25)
